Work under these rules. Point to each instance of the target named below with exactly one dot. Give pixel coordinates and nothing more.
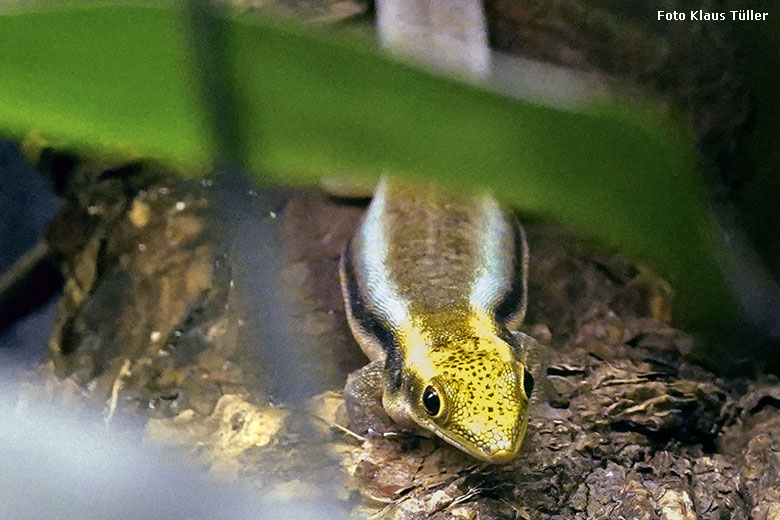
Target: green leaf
(306, 103)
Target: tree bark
(153, 323)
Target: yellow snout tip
(500, 453)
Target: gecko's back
(437, 255)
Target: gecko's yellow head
(478, 402)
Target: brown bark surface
(154, 323)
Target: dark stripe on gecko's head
(371, 323)
(514, 300)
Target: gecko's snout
(501, 455)
(488, 414)
(499, 448)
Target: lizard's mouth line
(498, 457)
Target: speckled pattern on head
(482, 384)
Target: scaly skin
(432, 282)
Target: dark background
(27, 203)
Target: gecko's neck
(435, 343)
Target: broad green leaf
(306, 103)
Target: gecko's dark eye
(528, 382)
(431, 401)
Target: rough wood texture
(151, 324)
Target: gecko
(433, 282)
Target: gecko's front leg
(363, 399)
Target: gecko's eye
(431, 401)
(528, 382)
